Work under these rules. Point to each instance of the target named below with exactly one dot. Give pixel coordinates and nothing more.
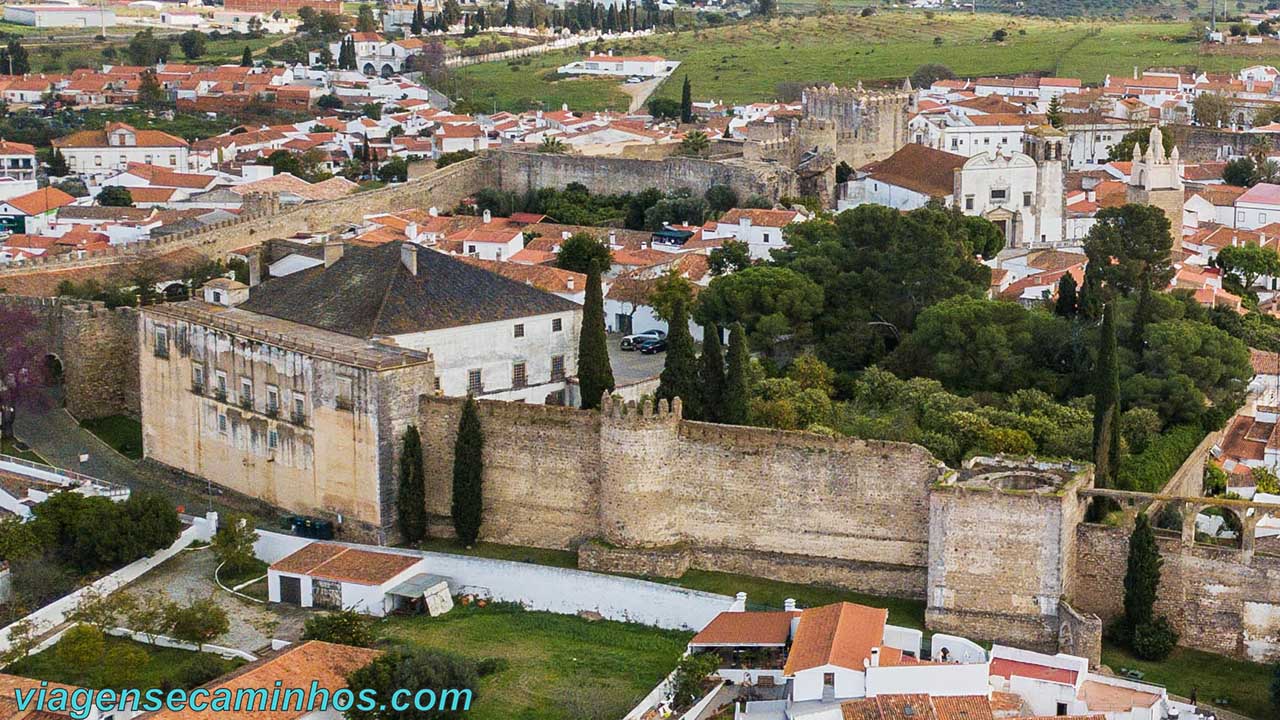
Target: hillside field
(746, 62)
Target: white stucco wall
(538, 587)
(494, 349)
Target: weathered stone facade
(520, 172)
(305, 425)
(1001, 549)
(97, 349)
(853, 512)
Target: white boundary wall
(539, 587)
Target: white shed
(332, 576)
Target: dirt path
(640, 92)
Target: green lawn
(122, 433)
(1213, 676)
(538, 556)
(561, 667)
(164, 665)
(748, 61)
(761, 593)
(63, 57)
(230, 579)
(7, 448)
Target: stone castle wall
(795, 506)
(98, 350)
(521, 171)
(1216, 599)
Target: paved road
(56, 436)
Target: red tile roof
(41, 201)
(353, 565)
(840, 634)
(1005, 668)
(746, 628)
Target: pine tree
(412, 497)
(711, 373)
(733, 411)
(679, 377)
(1054, 114)
(1141, 576)
(1066, 303)
(686, 102)
(419, 19)
(246, 59)
(468, 472)
(1143, 315)
(595, 374)
(1106, 405)
(19, 61)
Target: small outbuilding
(338, 577)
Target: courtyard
(543, 666)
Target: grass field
(63, 57)
(560, 667)
(1246, 684)
(746, 62)
(163, 666)
(121, 433)
(7, 448)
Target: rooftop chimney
(789, 605)
(875, 657)
(487, 217)
(409, 257)
(332, 252)
(564, 234)
(255, 268)
(568, 283)
(433, 211)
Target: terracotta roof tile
(746, 628)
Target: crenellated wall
(795, 506)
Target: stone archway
(53, 370)
(369, 69)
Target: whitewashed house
(338, 577)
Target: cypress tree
(1089, 297)
(679, 377)
(419, 19)
(1066, 303)
(510, 19)
(246, 59)
(1141, 576)
(468, 471)
(733, 410)
(711, 373)
(595, 374)
(1143, 313)
(412, 497)
(686, 102)
(1106, 404)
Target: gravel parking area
(190, 576)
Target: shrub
(202, 668)
(1150, 469)
(1154, 640)
(690, 673)
(344, 627)
(1215, 479)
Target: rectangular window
(475, 385)
(1262, 218)
(1240, 216)
(344, 400)
(197, 378)
(222, 423)
(766, 237)
(518, 377)
(1026, 199)
(557, 367)
(162, 342)
(97, 160)
(299, 408)
(968, 202)
(273, 439)
(999, 195)
(557, 325)
(222, 382)
(437, 383)
(273, 399)
(519, 330)
(246, 392)
(173, 160)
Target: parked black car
(633, 342)
(655, 345)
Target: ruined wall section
(1215, 598)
